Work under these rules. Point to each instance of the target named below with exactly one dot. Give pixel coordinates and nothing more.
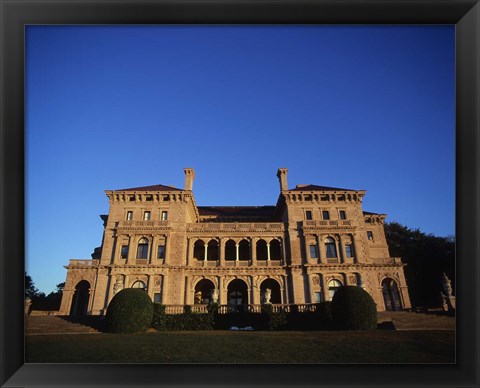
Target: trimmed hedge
(353, 309)
(180, 322)
(130, 311)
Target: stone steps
(60, 325)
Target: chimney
(189, 176)
(282, 177)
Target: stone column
(167, 249)
(131, 249)
(268, 251)
(321, 249)
(221, 251)
(150, 286)
(187, 290)
(191, 244)
(221, 295)
(118, 248)
(324, 287)
(112, 280)
(154, 250)
(126, 281)
(310, 289)
(255, 291)
(342, 249)
(205, 245)
(253, 250)
(164, 289)
(356, 250)
(237, 247)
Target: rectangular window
(161, 252)
(326, 215)
(308, 215)
(146, 216)
(131, 198)
(317, 297)
(149, 198)
(129, 216)
(349, 250)
(370, 235)
(331, 252)
(343, 215)
(124, 252)
(164, 215)
(157, 297)
(313, 252)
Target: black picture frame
(16, 14)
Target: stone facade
(314, 240)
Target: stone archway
(272, 284)
(203, 290)
(237, 293)
(391, 296)
(80, 299)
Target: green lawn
(245, 347)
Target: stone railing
(251, 308)
(326, 223)
(235, 226)
(236, 263)
(82, 263)
(386, 260)
(137, 224)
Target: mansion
(313, 241)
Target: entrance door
(237, 293)
(391, 296)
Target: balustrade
(251, 308)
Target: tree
(30, 290)
(427, 258)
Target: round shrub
(324, 315)
(130, 311)
(353, 309)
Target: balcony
(326, 223)
(83, 263)
(235, 226)
(140, 224)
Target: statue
(448, 300)
(118, 286)
(267, 295)
(214, 296)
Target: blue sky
(361, 107)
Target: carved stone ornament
(353, 279)
(316, 280)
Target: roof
(151, 188)
(236, 210)
(318, 188)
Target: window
(161, 252)
(370, 235)
(146, 216)
(164, 215)
(140, 284)
(330, 248)
(124, 252)
(142, 250)
(157, 297)
(149, 198)
(313, 251)
(326, 215)
(129, 215)
(342, 214)
(317, 297)
(349, 250)
(131, 198)
(333, 286)
(308, 215)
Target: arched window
(333, 286)
(142, 250)
(139, 284)
(330, 248)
